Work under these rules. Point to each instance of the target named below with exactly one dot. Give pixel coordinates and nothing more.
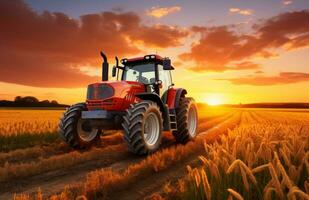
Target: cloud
(49, 49)
(159, 12)
(282, 78)
(287, 2)
(160, 36)
(259, 72)
(241, 11)
(244, 66)
(219, 47)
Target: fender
(173, 97)
(155, 98)
(179, 93)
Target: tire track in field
(153, 183)
(55, 180)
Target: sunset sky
(224, 51)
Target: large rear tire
(187, 120)
(75, 131)
(142, 126)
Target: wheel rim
(192, 121)
(84, 135)
(151, 129)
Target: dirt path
(54, 181)
(145, 187)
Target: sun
(213, 100)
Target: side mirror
(114, 71)
(167, 64)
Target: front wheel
(187, 120)
(74, 130)
(142, 126)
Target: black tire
(134, 122)
(68, 128)
(183, 134)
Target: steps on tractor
(173, 122)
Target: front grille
(109, 104)
(104, 91)
(100, 91)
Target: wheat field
(22, 127)
(239, 154)
(266, 157)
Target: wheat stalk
(235, 194)
(286, 178)
(204, 160)
(206, 185)
(259, 168)
(244, 178)
(296, 191)
(267, 193)
(276, 181)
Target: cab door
(166, 78)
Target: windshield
(142, 72)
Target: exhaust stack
(104, 67)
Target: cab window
(143, 73)
(165, 77)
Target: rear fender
(163, 108)
(174, 96)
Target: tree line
(30, 101)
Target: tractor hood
(116, 93)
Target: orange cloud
(159, 12)
(49, 49)
(161, 36)
(219, 47)
(241, 11)
(244, 66)
(282, 78)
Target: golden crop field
(239, 154)
(23, 127)
(21, 121)
(266, 157)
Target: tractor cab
(151, 70)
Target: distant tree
(18, 99)
(30, 99)
(45, 102)
(54, 102)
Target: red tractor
(143, 103)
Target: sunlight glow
(214, 100)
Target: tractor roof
(152, 57)
(149, 58)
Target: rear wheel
(142, 126)
(75, 131)
(187, 120)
